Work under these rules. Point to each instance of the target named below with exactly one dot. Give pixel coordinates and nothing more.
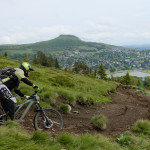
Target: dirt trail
(126, 108)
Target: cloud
(35, 34)
(54, 30)
(98, 37)
(104, 30)
(17, 38)
(102, 24)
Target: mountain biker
(9, 79)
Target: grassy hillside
(72, 87)
(13, 137)
(56, 83)
(65, 42)
(60, 44)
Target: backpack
(7, 72)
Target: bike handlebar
(35, 92)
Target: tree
(95, 71)
(35, 60)
(25, 58)
(81, 68)
(76, 67)
(50, 61)
(42, 58)
(56, 64)
(138, 83)
(127, 79)
(112, 69)
(112, 78)
(5, 54)
(102, 72)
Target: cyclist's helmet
(25, 66)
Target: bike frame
(30, 103)
(20, 106)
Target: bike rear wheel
(54, 117)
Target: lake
(131, 73)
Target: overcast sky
(118, 22)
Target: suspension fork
(43, 114)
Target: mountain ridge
(61, 44)
(60, 40)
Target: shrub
(63, 94)
(80, 99)
(65, 138)
(39, 137)
(124, 139)
(113, 90)
(12, 124)
(100, 122)
(142, 126)
(139, 92)
(44, 89)
(89, 100)
(46, 96)
(53, 98)
(67, 95)
(65, 108)
(35, 75)
(61, 81)
(84, 101)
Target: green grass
(65, 108)
(83, 89)
(54, 83)
(15, 138)
(142, 126)
(99, 121)
(12, 136)
(124, 139)
(133, 141)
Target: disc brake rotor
(47, 125)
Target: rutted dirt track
(126, 108)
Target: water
(131, 73)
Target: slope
(124, 108)
(56, 83)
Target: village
(114, 59)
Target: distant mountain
(69, 49)
(63, 42)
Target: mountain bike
(45, 118)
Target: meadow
(55, 84)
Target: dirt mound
(126, 108)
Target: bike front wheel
(54, 123)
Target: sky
(117, 22)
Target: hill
(62, 43)
(121, 113)
(89, 97)
(56, 83)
